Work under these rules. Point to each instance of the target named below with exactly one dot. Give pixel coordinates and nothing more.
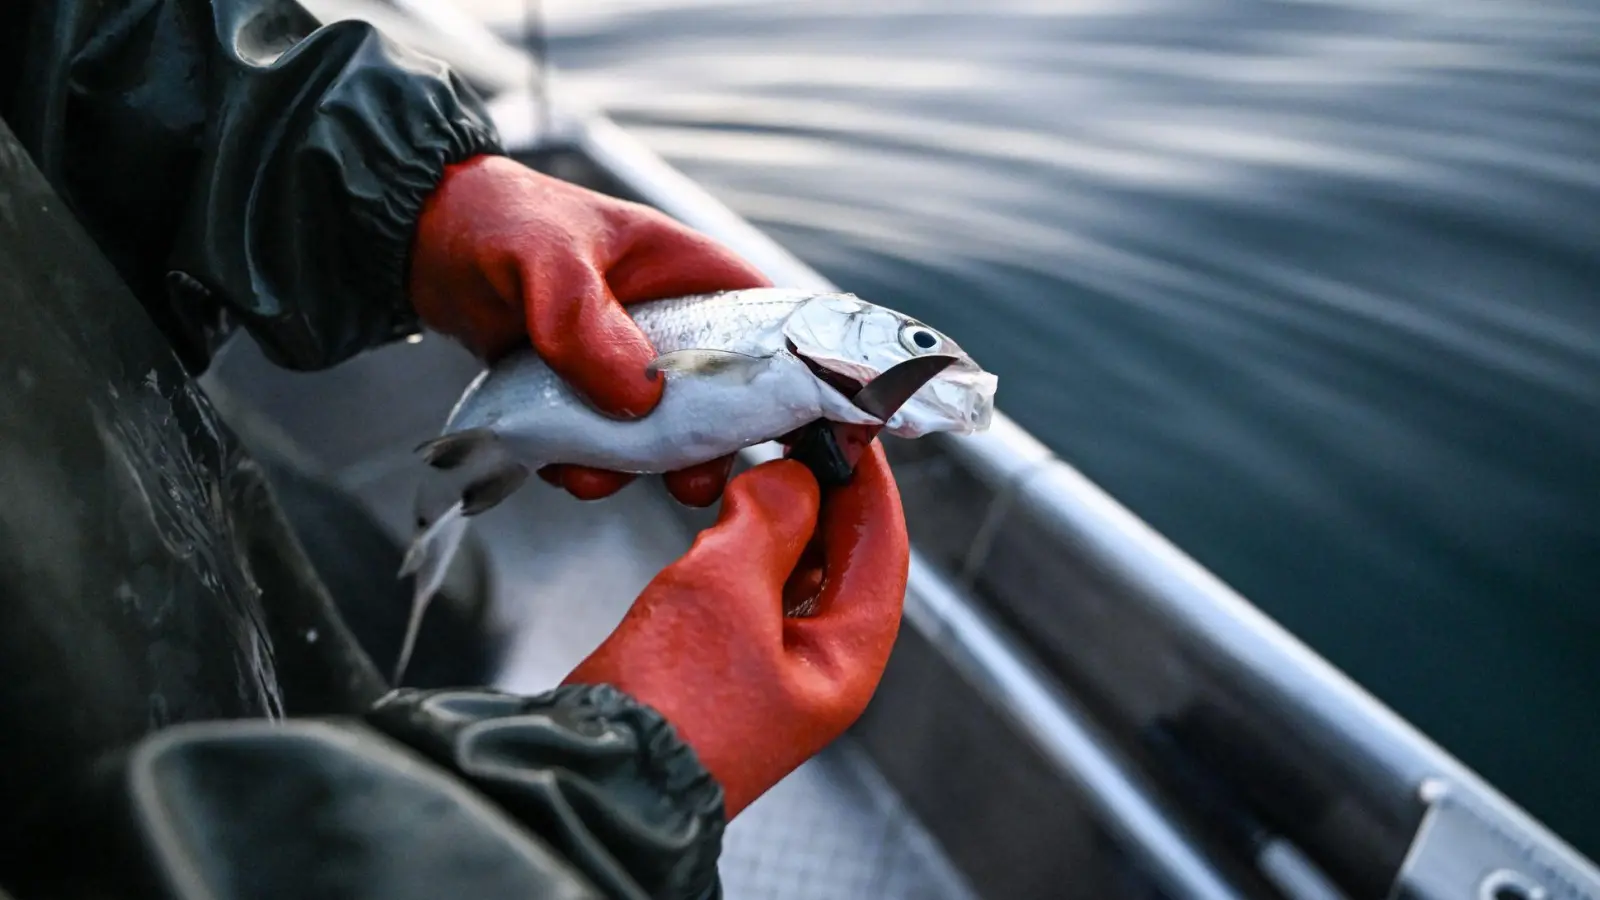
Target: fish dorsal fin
(705, 362)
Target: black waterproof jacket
(185, 713)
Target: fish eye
(918, 338)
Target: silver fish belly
(702, 415)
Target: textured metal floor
(831, 830)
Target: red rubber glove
(707, 643)
(504, 254)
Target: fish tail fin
(428, 558)
(431, 551)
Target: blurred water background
(1310, 286)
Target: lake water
(1311, 286)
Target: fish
(742, 368)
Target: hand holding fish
(504, 255)
(742, 368)
(708, 645)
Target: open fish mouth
(960, 401)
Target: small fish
(741, 367)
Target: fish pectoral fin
(489, 491)
(706, 362)
(451, 451)
(428, 559)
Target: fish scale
(712, 320)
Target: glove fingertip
(777, 482)
(593, 484)
(773, 509)
(702, 485)
(597, 348)
(613, 374)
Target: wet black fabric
(149, 579)
(343, 809)
(162, 629)
(603, 778)
(239, 164)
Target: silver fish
(741, 367)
